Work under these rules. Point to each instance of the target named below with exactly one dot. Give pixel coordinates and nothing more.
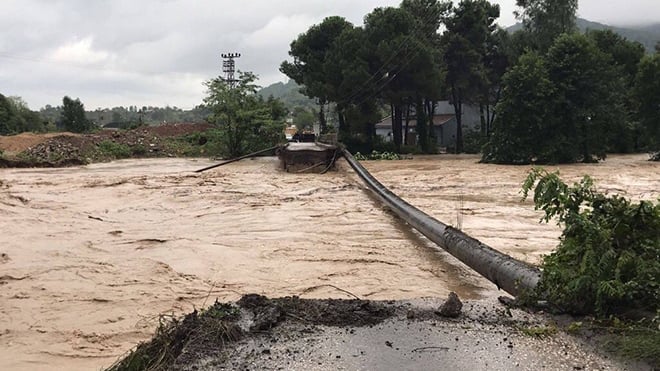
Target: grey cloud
(160, 51)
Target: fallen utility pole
(507, 273)
(238, 159)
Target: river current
(91, 256)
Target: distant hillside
(647, 35)
(653, 28)
(289, 93)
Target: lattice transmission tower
(229, 67)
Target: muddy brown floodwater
(90, 256)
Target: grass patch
(113, 150)
(208, 143)
(139, 150)
(639, 345)
(539, 331)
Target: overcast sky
(158, 52)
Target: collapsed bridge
(507, 273)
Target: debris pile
(57, 151)
(67, 149)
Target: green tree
(394, 59)
(622, 53)
(9, 119)
(560, 108)
(247, 123)
(427, 68)
(497, 60)
(647, 94)
(309, 53)
(408, 73)
(73, 117)
(469, 27)
(545, 20)
(525, 124)
(29, 120)
(16, 117)
(348, 67)
(303, 117)
(623, 58)
(589, 99)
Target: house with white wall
(444, 124)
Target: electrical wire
(386, 77)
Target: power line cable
(413, 32)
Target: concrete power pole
(229, 67)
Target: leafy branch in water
(608, 260)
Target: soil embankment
(64, 149)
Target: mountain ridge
(647, 35)
(289, 93)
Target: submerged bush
(375, 155)
(608, 260)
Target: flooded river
(90, 256)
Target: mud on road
(258, 333)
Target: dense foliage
(16, 117)
(608, 260)
(131, 116)
(393, 61)
(406, 59)
(545, 20)
(246, 122)
(470, 31)
(647, 95)
(524, 130)
(73, 117)
(571, 103)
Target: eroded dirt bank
(91, 255)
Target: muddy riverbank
(92, 255)
(290, 333)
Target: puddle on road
(92, 255)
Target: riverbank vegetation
(607, 263)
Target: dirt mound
(56, 150)
(21, 142)
(66, 149)
(175, 130)
(330, 312)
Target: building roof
(438, 120)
